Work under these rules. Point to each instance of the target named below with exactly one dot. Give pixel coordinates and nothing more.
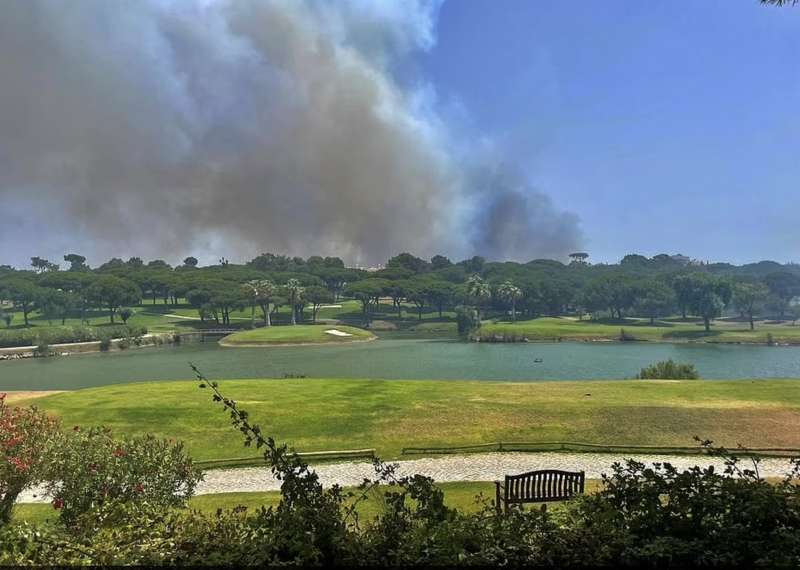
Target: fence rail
(210, 331)
(308, 455)
(582, 447)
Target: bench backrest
(543, 486)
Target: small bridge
(210, 331)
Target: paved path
(448, 468)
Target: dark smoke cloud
(516, 221)
(168, 128)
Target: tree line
(638, 286)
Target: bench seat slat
(546, 485)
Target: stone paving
(448, 468)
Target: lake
(390, 358)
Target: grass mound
(297, 334)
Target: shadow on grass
(162, 309)
(631, 323)
(692, 335)
(682, 320)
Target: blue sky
(666, 126)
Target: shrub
(105, 342)
(669, 370)
(26, 440)
(65, 334)
(125, 314)
(467, 321)
(134, 336)
(7, 318)
(655, 515)
(91, 470)
(625, 337)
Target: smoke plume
(166, 128)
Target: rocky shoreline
(68, 349)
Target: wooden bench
(542, 486)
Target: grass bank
(335, 414)
(297, 334)
(568, 328)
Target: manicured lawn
(567, 328)
(328, 414)
(158, 317)
(295, 334)
(155, 317)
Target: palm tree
(511, 294)
(293, 292)
(260, 292)
(479, 291)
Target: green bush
(125, 314)
(669, 370)
(105, 343)
(467, 321)
(66, 334)
(91, 470)
(26, 440)
(42, 348)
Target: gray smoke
(515, 221)
(212, 127)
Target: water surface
(412, 359)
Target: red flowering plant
(27, 437)
(91, 472)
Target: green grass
(297, 334)
(158, 317)
(467, 496)
(335, 414)
(568, 328)
(155, 317)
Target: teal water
(412, 359)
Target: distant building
(370, 269)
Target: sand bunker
(335, 332)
